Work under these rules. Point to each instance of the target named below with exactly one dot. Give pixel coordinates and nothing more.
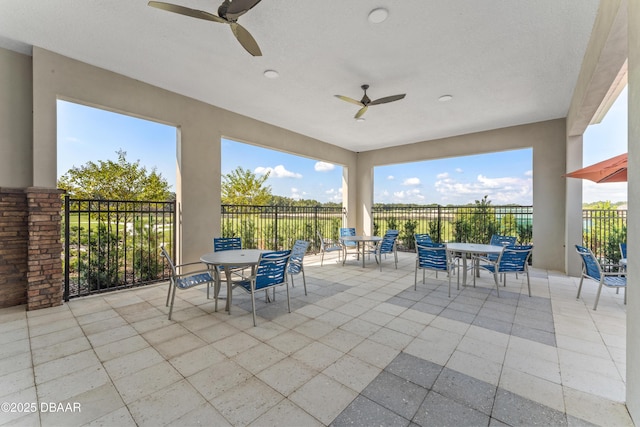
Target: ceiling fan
(228, 13)
(365, 102)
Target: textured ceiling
(504, 62)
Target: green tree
(100, 261)
(243, 187)
(115, 180)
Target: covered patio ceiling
(504, 63)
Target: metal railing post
(66, 248)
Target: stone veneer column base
(14, 236)
(44, 262)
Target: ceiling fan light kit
(228, 13)
(365, 102)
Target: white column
(633, 218)
(573, 228)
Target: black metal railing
(602, 231)
(110, 245)
(278, 227)
(454, 223)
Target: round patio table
(360, 240)
(229, 260)
(471, 248)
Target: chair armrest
(193, 273)
(482, 258)
(614, 273)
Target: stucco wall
(200, 128)
(16, 124)
(633, 219)
(548, 142)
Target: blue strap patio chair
(347, 245)
(591, 269)
(328, 245)
(186, 280)
(387, 246)
(296, 262)
(623, 257)
(271, 272)
(227, 244)
(434, 257)
(422, 238)
(512, 259)
(496, 240)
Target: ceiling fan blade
(186, 11)
(238, 8)
(361, 112)
(351, 100)
(388, 99)
(246, 39)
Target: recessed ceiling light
(271, 74)
(378, 15)
(445, 98)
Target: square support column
(44, 261)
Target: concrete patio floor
(362, 348)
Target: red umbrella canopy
(610, 170)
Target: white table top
(233, 257)
(475, 248)
(361, 238)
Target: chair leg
(322, 258)
(169, 292)
(288, 297)
(173, 297)
(415, 281)
(304, 281)
(595, 306)
(253, 306)
(580, 287)
(449, 274)
(496, 279)
(625, 295)
(528, 282)
(395, 255)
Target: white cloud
(334, 195)
(411, 181)
(73, 140)
(408, 196)
(528, 173)
(459, 170)
(442, 175)
(391, 177)
(296, 194)
(324, 167)
(612, 191)
(278, 172)
(501, 191)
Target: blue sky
(89, 134)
